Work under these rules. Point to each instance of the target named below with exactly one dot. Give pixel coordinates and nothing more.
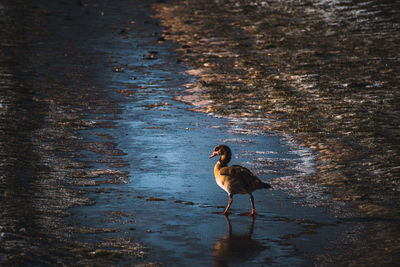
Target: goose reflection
(236, 248)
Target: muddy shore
(328, 73)
(104, 153)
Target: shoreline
(211, 56)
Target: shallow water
(102, 164)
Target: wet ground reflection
(236, 248)
(173, 196)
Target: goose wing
(241, 180)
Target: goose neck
(225, 158)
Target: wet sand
(103, 164)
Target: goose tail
(266, 185)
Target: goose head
(222, 150)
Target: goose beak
(213, 155)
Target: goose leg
(229, 205)
(253, 209)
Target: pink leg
(229, 205)
(253, 209)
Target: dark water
(103, 164)
(325, 71)
(52, 91)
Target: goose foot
(252, 213)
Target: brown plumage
(235, 179)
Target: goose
(235, 179)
